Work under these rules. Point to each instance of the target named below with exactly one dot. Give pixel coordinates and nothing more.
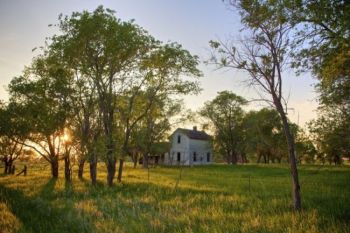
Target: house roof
(194, 134)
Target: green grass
(216, 198)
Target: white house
(189, 147)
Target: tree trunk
(81, 168)
(145, 161)
(292, 157)
(111, 172)
(120, 170)
(337, 160)
(228, 158)
(67, 170)
(135, 160)
(13, 169)
(234, 158)
(93, 171)
(268, 158)
(54, 168)
(244, 158)
(6, 168)
(9, 166)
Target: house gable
(190, 147)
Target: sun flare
(66, 137)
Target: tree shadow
(48, 189)
(88, 185)
(142, 206)
(39, 214)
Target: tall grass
(217, 198)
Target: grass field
(217, 198)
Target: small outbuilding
(189, 147)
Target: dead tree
(263, 55)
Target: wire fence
(235, 180)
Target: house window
(194, 156)
(208, 157)
(178, 139)
(178, 156)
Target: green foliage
(41, 96)
(154, 128)
(322, 45)
(106, 52)
(226, 115)
(265, 136)
(331, 135)
(123, 63)
(100, 76)
(258, 134)
(322, 40)
(39, 106)
(305, 148)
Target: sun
(66, 136)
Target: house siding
(202, 148)
(186, 148)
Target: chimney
(194, 128)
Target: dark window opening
(208, 157)
(178, 156)
(178, 139)
(194, 156)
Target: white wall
(186, 148)
(182, 147)
(201, 148)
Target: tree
(322, 45)
(40, 107)
(86, 125)
(121, 59)
(10, 150)
(151, 133)
(161, 74)
(264, 135)
(322, 40)
(331, 136)
(226, 114)
(69, 144)
(263, 56)
(105, 50)
(305, 148)
(10, 146)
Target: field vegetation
(103, 92)
(216, 198)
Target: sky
(192, 23)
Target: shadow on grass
(38, 214)
(48, 189)
(142, 205)
(138, 206)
